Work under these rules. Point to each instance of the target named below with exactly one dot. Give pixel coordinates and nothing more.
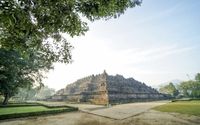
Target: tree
(25, 94)
(45, 92)
(169, 89)
(184, 88)
(12, 75)
(30, 23)
(17, 71)
(197, 77)
(31, 35)
(197, 86)
(33, 93)
(191, 88)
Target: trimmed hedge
(187, 99)
(19, 105)
(33, 104)
(20, 115)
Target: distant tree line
(190, 88)
(30, 94)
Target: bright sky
(154, 43)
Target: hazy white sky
(154, 43)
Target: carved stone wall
(121, 90)
(104, 89)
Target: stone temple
(107, 89)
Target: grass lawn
(24, 109)
(20, 110)
(184, 107)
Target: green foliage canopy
(15, 72)
(190, 88)
(31, 35)
(20, 70)
(197, 77)
(45, 92)
(33, 93)
(29, 23)
(169, 89)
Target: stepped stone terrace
(107, 89)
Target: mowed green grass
(25, 109)
(183, 107)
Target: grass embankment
(183, 107)
(25, 110)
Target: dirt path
(120, 112)
(153, 117)
(79, 118)
(88, 107)
(127, 111)
(117, 112)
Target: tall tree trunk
(6, 98)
